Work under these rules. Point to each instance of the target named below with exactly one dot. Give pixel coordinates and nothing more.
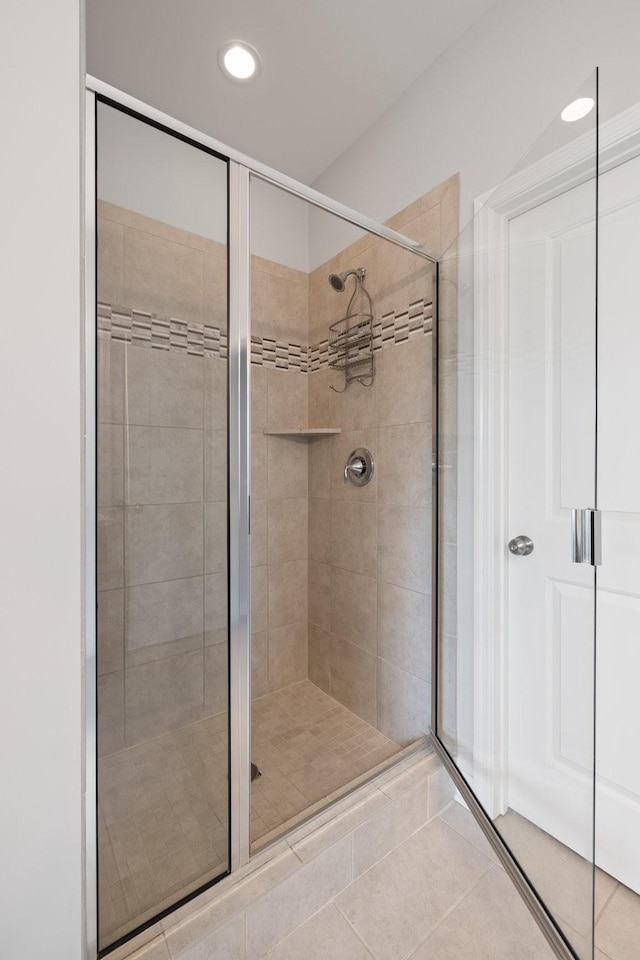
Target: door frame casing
(619, 141)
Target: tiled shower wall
(370, 547)
(162, 488)
(340, 575)
(279, 479)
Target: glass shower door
(162, 644)
(617, 930)
(517, 521)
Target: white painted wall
(478, 109)
(40, 554)
(145, 169)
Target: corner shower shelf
(303, 432)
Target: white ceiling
(330, 68)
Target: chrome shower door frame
(241, 170)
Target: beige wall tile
(404, 629)
(164, 542)
(259, 664)
(404, 383)
(419, 206)
(279, 307)
(319, 657)
(319, 449)
(450, 224)
(111, 375)
(287, 467)
(163, 388)
(404, 546)
(353, 678)
(259, 376)
(215, 604)
(214, 306)
(287, 592)
(110, 465)
(214, 379)
(401, 278)
(215, 464)
(215, 537)
(287, 655)
(163, 695)
(161, 276)
(165, 465)
(404, 464)
(216, 680)
(426, 228)
(110, 273)
(157, 613)
(354, 608)
(259, 600)
(354, 536)
(259, 461)
(287, 401)
(110, 631)
(258, 532)
(320, 530)
(287, 530)
(355, 409)
(110, 713)
(320, 593)
(320, 398)
(404, 704)
(110, 548)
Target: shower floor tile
(307, 746)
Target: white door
(552, 456)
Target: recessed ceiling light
(577, 109)
(239, 60)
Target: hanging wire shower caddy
(351, 337)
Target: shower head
(338, 280)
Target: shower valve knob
(358, 469)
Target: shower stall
(357, 488)
(263, 434)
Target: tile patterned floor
(163, 812)
(307, 745)
(563, 880)
(439, 895)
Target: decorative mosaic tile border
(161, 333)
(276, 353)
(204, 340)
(391, 329)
